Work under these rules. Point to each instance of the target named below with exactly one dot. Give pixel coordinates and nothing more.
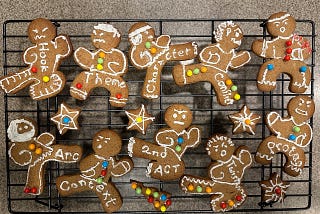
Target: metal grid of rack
(98, 114)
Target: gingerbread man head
(229, 35)
(41, 30)
(220, 148)
(281, 24)
(22, 130)
(301, 108)
(178, 117)
(106, 143)
(105, 37)
(140, 33)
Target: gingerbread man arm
(273, 119)
(86, 166)
(244, 157)
(305, 138)
(168, 140)
(63, 44)
(84, 58)
(46, 139)
(195, 133)
(266, 49)
(118, 64)
(121, 167)
(30, 56)
(163, 41)
(239, 59)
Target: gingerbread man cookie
(285, 52)
(43, 60)
(171, 143)
(103, 67)
(290, 135)
(97, 170)
(225, 174)
(274, 190)
(151, 53)
(28, 149)
(215, 62)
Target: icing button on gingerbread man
(97, 170)
(286, 53)
(171, 143)
(289, 135)
(103, 68)
(152, 53)
(28, 149)
(43, 60)
(215, 62)
(225, 175)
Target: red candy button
(287, 58)
(288, 50)
(277, 191)
(34, 190)
(34, 70)
(223, 205)
(118, 96)
(239, 198)
(168, 202)
(150, 199)
(79, 85)
(104, 172)
(288, 43)
(27, 190)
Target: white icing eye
(223, 153)
(20, 129)
(35, 30)
(184, 116)
(99, 146)
(44, 29)
(94, 32)
(300, 104)
(216, 150)
(174, 115)
(25, 127)
(101, 34)
(236, 34)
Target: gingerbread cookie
(171, 143)
(285, 52)
(244, 121)
(28, 149)
(43, 60)
(103, 68)
(215, 62)
(139, 119)
(225, 174)
(152, 53)
(290, 135)
(161, 200)
(97, 170)
(274, 190)
(66, 118)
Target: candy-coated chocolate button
(100, 60)
(199, 189)
(203, 69)
(189, 73)
(138, 190)
(105, 164)
(38, 151)
(270, 67)
(32, 146)
(34, 190)
(99, 67)
(155, 194)
(234, 88)
(150, 199)
(178, 148)
(148, 45)
(148, 191)
(78, 85)
(34, 70)
(237, 97)
(66, 120)
(277, 191)
(287, 58)
(156, 204)
(208, 189)
(139, 119)
(102, 55)
(163, 208)
(99, 180)
(103, 172)
(163, 197)
(180, 140)
(296, 129)
(247, 121)
(168, 202)
(27, 190)
(288, 50)
(45, 79)
(303, 69)
(223, 205)
(153, 50)
(118, 96)
(288, 43)
(190, 187)
(134, 185)
(230, 203)
(239, 198)
(292, 137)
(228, 82)
(196, 71)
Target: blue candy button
(105, 164)
(303, 69)
(270, 67)
(180, 140)
(66, 120)
(292, 137)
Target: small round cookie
(171, 143)
(104, 67)
(66, 118)
(139, 119)
(29, 149)
(43, 60)
(290, 135)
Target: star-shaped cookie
(244, 121)
(66, 118)
(139, 119)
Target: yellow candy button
(139, 119)
(99, 67)
(45, 79)
(189, 73)
(237, 97)
(163, 208)
(148, 191)
(102, 55)
(203, 69)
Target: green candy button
(155, 194)
(296, 129)
(138, 190)
(100, 60)
(99, 180)
(199, 189)
(148, 45)
(234, 88)
(178, 148)
(196, 71)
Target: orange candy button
(134, 185)
(38, 151)
(32, 146)
(102, 55)
(203, 69)
(228, 82)
(247, 121)
(208, 189)
(190, 187)
(156, 204)
(153, 50)
(231, 203)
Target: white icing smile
(178, 122)
(301, 112)
(99, 40)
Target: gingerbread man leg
(13, 83)
(109, 197)
(295, 158)
(223, 86)
(270, 70)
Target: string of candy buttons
(103, 173)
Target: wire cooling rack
(97, 114)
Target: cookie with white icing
(285, 53)
(152, 53)
(225, 175)
(29, 149)
(43, 60)
(139, 119)
(244, 121)
(97, 169)
(290, 135)
(66, 118)
(215, 62)
(171, 143)
(103, 67)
